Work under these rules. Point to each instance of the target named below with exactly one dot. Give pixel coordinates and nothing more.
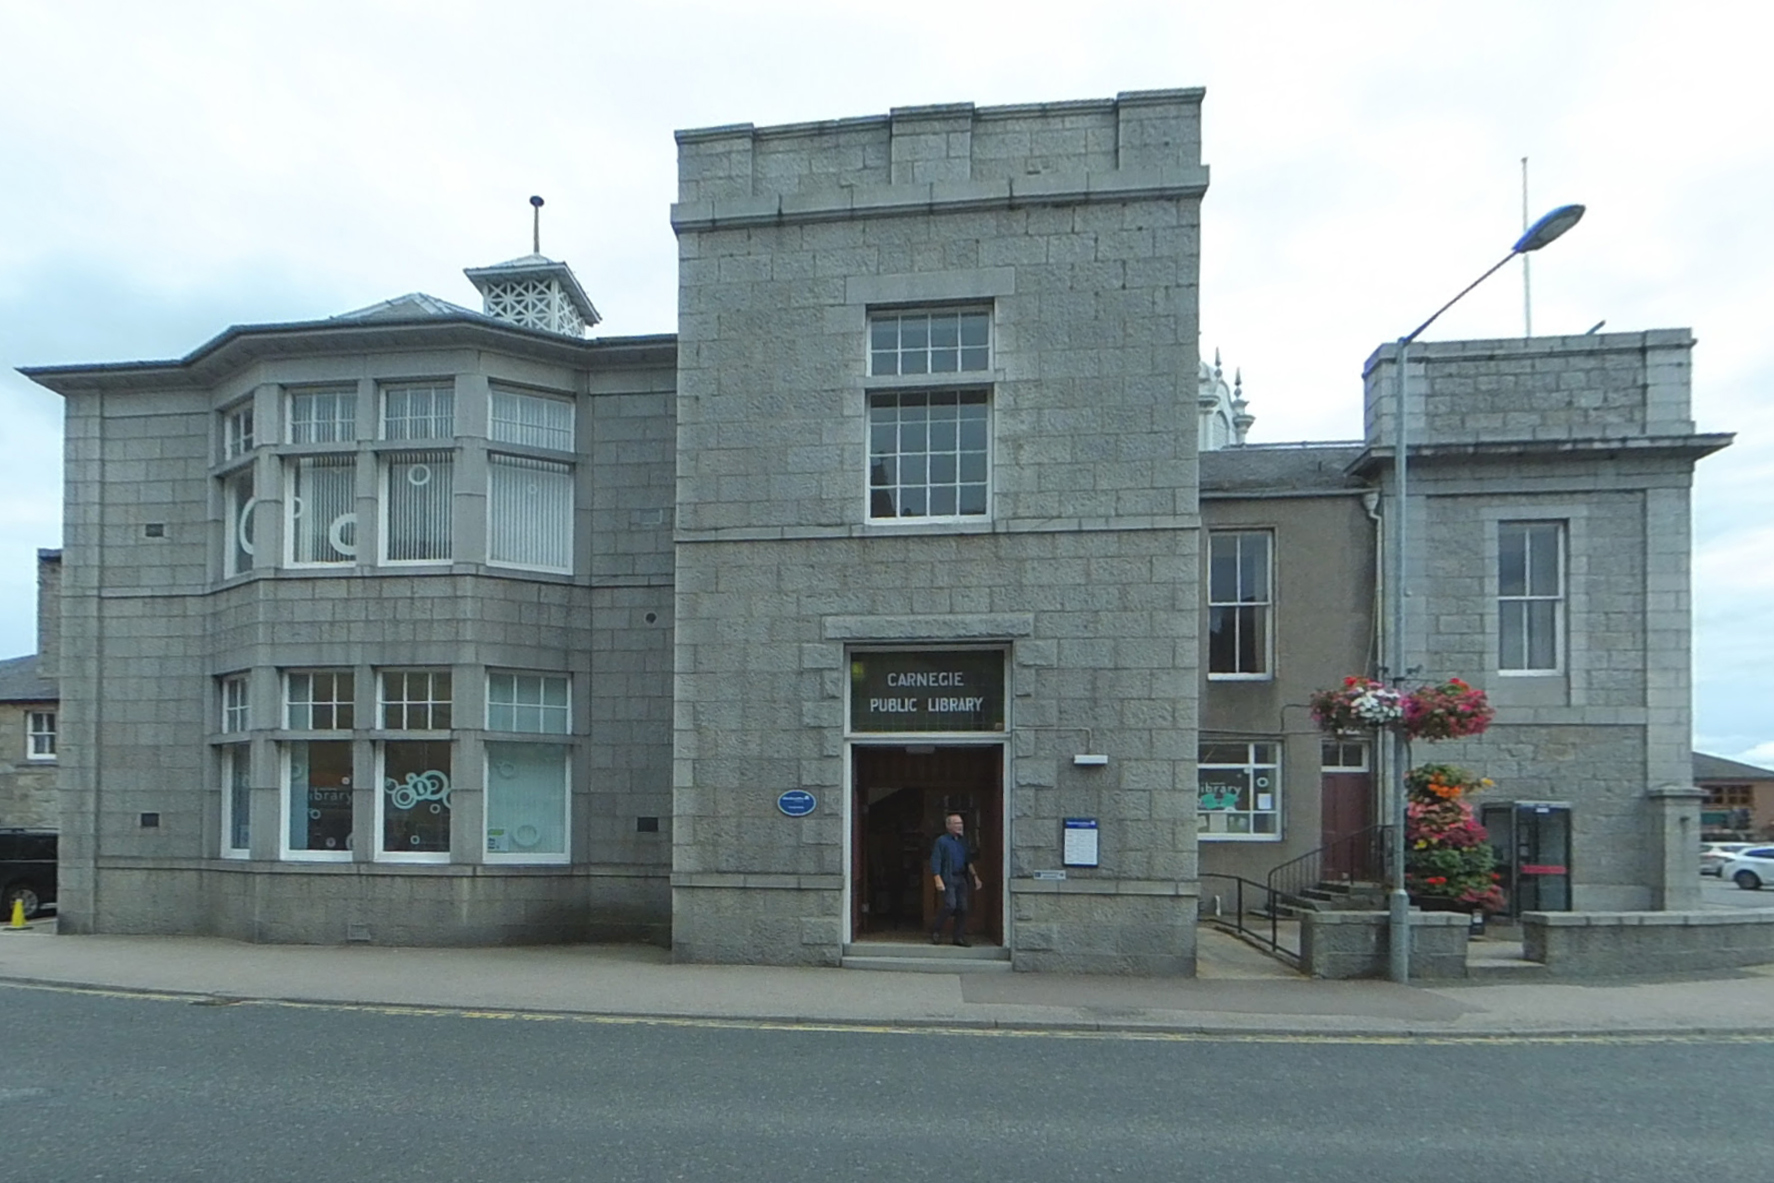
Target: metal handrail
(1241, 909)
(1364, 859)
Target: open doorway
(901, 796)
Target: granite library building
(423, 625)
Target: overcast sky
(172, 168)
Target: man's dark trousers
(957, 893)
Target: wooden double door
(902, 796)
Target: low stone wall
(1614, 944)
(1355, 944)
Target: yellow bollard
(18, 914)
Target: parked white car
(1714, 855)
(1751, 868)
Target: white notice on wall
(1080, 842)
(1265, 801)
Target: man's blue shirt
(949, 857)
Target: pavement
(1239, 991)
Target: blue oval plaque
(797, 802)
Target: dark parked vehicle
(27, 871)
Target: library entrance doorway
(901, 798)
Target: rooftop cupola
(535, 291)
(1225, 415)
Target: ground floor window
(236, 800)
(1240, 791)
(414, 804)
(526, 802)
(317, 800)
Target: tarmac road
(110, 1087)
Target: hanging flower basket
(1360, 704)
(1449, 710)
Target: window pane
(1512, 560)
(536, 703)
(320, 796)
(238, 765)
(238, 493)
(1250, 640)
(1543, 561)
(1222, 569)
(1222, 641)
(1542, 641)
(323, 417)
(927, 466)
(416, 700)
(418, 412)
(530, 513)
(533, 420)
(323, 517)
(1512, 628)
(321, 700)
(526, 799)
(415, 796)
(420, 493)
(1253, 568)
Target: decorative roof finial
(1217, 371)
(536, 225)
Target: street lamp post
(1536, 236)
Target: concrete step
(928, 965)
(920, 957)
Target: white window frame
(338, 427)
(438, 465)
(559, 858)
(1263, 606)
(381, 811)
(236, 701)
(1521, 603)
(545, 710)
(1342, 744)
(507, 423)
(237, 430)
(907, 325)
(236, 763)
(436, 694)
(440, 397)
(286, 791)
(335, 704)
(40, 736)
(1253, 767)
(976, 396)
(498, 463)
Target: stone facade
(30, 714)
(930, 421)
(1075, 229)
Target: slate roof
(20, 682)
(1255, 469)
(1718, 768)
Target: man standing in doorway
(952, 867)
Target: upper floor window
(323, 416)
(416, 518)
(928, 454)
(529, 513)
(1240, 599)
(1530, 596)
(237, 431)
(236, 706)
(321, 700)
(535, 703)
(416, 700)
(534, 420)
(40, 735)
(943, 342)
(419, 411)
(1240, 791)
(237, 511)
(323, 509)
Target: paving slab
(639, 982)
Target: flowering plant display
(1447, 710)
(1360, 704)
(1448, 855)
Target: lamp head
(1549, 227)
